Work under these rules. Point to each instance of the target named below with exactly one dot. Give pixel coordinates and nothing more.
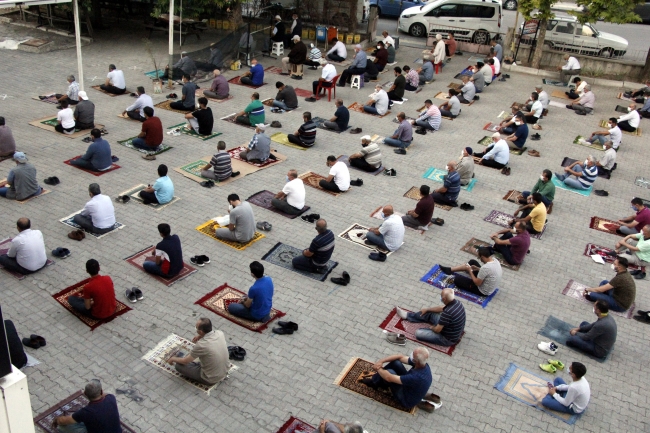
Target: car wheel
(481, 37)
(606, 52)
(510, 5)
(417, 30)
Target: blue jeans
(370, 109)
(396, 143)
(599, 138)
(550, 402)
(140, 143)
(546, 201)
(570, 181)
(243, 312)
(281, 104)
(426, 334)
(79, 305)
(397, 368)
(584, 346)
(376, 239)
(607, 297)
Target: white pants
(194, 124)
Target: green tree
(197, 8)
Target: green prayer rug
(193, 133)
(128, 143)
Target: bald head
(451, 165)
(447, 296)
(216, 72)
(321, 225)
(23, 224)
(388, 210)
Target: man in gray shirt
(7, 142)
(286, 98)
(467, 92)
(22, 180)
(425, 72)
(242, 222)
(84, 112)
(189, 94)
(259, 148)
(483, 277)
(598, 338)
(358, 66)
(451, 108)
(185, 65)
(478, 78)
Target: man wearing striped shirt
(313, 58)
(220, 164)
(448, 192)
(315, 258)
(585, 174)
(368, 158)
(447, 322)
(430, 118)
(305, 136)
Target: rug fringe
(271, 250)
(159, 346)
(345, 371)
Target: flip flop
(356, 131)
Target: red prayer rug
(605, 225)
(237, 81)
(94, 173)
(77, 289)
(4, 249)
(592, 249)
(274, 70)
(138, 259)
(295, 425)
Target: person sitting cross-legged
(27, 252)
(597, 338)
(327, 426)
(115, 82)
(420, 217)
(573, 398)
(339, 176)
(97, 156)
(429, 119)
(255, 306)
(585, 174)
(162, 191)
(21, 180)
(296, 56)
(167, 261)
(425, 72)
(221, 165)
(338, 52)
(468, 91)
(98, 215)
(403, 135)
(253, 114)
(187, 102)
(389, 236)
(512, 248)
(533, 214)
(517, 139)
(465, 166)
(507, 125)
(7, 141)
(286, 98)
(607, 162)
(219, 89)
(412, 79)
(72, 94)
(151, 135)
(84, 113)
(378, 102)
(98, 297)
(315, 258)
(242, 222)
(368, 158)
(341, 117)
(497, 154)
(259, 148)
(536, 110)
(100, 415)
(447, 321)
(638, 253)
(451, 108)
(255, 76)
(483, 280)
(184, 66)
(630, 122)
(210, 349)
(201, 120)
(633, 224)
(585, 104)
(135, 110)
(305, 136)
(544, 186)
(571, 67)
(396, 91)
(450, 189)
(619, 292)
(613, 131)
(65, 119)
(291, 199)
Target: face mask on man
(287, 178)
(379, 47)
(542, 178)
(517, 123)
(629, 109)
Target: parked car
(393, 8)
(643, 10)
(469, 20)
(512, 5)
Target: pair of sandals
(534, 153)
(506, 171)
(52, 181)
(61, 252)
(207, 183)
(123, 199)
(263, 225)
(34, 341)
(465, 206)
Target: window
(472, 11)
(448, 10)
(551, 24)
(565, 28)
(585, 30)
(487, 12)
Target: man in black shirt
(167, 261)
(396, 92)
(341, 117)
(201, 120)
(100, 415)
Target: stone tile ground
(284, 375)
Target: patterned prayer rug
(177, 346)
(182, 128)
(529, 389)
(302, 93)
(140, 257)
(413, 193)
(48, 123)
(232, 118)
(456, 86)
(295, 425)
(438, 175)
(193, 170)
(208, 228)
(199, 94)
(263, 200)
(269, 103)
(237, 81)
(346, 161)
(312, 179)
(283, 254)
(492, 127)
(596, 145)
(218, 300)
(99, 89)
(559, 332)
(358, 369)
(155, 74)
(356, 234)
(487, 141)
(503, 219)
(435, 277)
(394, 323)
(621, 109)
(554, 83)
(559, 94)
(77, 290)
(320, 122)
(234, 154)
(5, 245)
(165, 105)
(442, 95)
(512, 195)
(274, 70)
(68, 221)
(562, 185)
(593, 249)
(134, 193)
(576, 290)
(51, 99)
(67, 407)
(377, 215)
(128, 143)
(637, 133)
(94, 173)
(472, 246)
(282, 138)
(356, 106)
(44, 191)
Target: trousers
(551, 403)
(285, 207)
(426, 334)
(86, 223)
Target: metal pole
(180, 26)
(171, 42)
(77, 31)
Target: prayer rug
(263, 200)
(512, 195)
(282, 255)
(51, 99)
(178, 346)
(5, 245)
(456, 86)
(442, 95)
(620, 96)
(312, 179)
(472, 246)
(343, 63)
(302, 93)
(377, 215)
(67, 407)
(126, 92)
(345, 159)
(94, 173)
(129, 143)
(134, 193)
(529, 389)
(437, 175)
(192, 133)
(413, 193)
(193, 170)
(435, 277)
(237, 81)
(637, 132)
(232, 118)
(492, 127)
(503, 219)
(568, 161)
(487, 141)
(356, 234)
(77, 290)
(208, 228)
(559, 94)
(467, 71)
(358, 369)
(282, 138)
(44, 191)
(199, 94)
(234, 155)
(165, 106)
(68, 221)
(475, 59)
(554, 83)
(356, 106)
(126, 117)
(605, 225)
(503, 115)
(295, 425)
(48, 123)
(576, 290)
(556, 104)
(562, 185)
(218, 300)
(394, 323)
(274, 70)
(596, 145)
(320, 122)
(621, 109)
(559, 332)
(155, 74)
(593, 249)
(140, 257)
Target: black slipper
(114, 158)
(439, 221)
(310, 99)
(356, 131)
(601, 192)
(31, 343)
(207, 184)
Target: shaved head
(388, 210)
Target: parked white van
(476, 21)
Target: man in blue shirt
(358, 66)
(100, 415)
(254, 77)
(517, 139)
(448, 192)
(162, 191)
(167, 261)
(98, 154)
(257, 305)
(315, 258)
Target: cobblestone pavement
(293, 375)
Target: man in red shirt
(633, 224)
(420, 217)
(98, 299)
(152, 133)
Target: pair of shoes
(356, 131)
(296, 77)
(439, 221)
(536, 136)
(502, 79)
(390, 172)
(429, 406)
(207, 184)
(34, 341)
(421, 131)
(446, 270)
(275, 124)
(377, 256)
(61, 252)
(549, 368)
(358, 182)
(311, 218)
(642, 316)
(77, 235)
(559, 365)
(636, 272)
(506, 75)
(277, 110)
(149, 157)
(201, 260)
(506, 171)
(534, 153)
(52, 181)
(172, 96)
(263, 225)
(123, 199)
(466, 206)
(400, 151)
(134, 294)
(87, 139)
(549, 347)
(396, 339)
(311, 99)
(286, 328)
(640, 276)
(601, 193)
(476, 97)
(343, 281)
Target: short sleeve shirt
(117, 78)
(322, 247)
(164, 189)
(189, 91)
(342, 115)
(415, 385)
(221, 165)
(452, 183)
(100, 290)
(212, 352)
(261, 292)
(295, 192)
(66, 117)
(538, 217)
(381, 102)
(490, 273)
(101, 416)
(205, 119)
(424, 209)
(453, 321)
(341, 175)
(644, 248)
(519, 246)
(152, 127)
(400, 86)
(642, 218)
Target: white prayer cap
(83, 95)
(296, 38)
(277, 17)
(261, 126)
(366, 137)
(438, 36)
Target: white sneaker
(583, 141)
(401, 313)
(549, 348)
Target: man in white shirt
(135, 110)
(339, 176)
(27, 252)
(115, 82)
(542, 97)
(614, 132)
(291, 199)
(387, 38)
(607, 162)
(496, 155)
(571, 67)
(536, 109)
(389, 236)
(630, 122)
(98, 216)
(327, 75)
(573, 398)
(579, 88)
(338, 52)
(378, 102)
(65, 117)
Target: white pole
(171, 40)
(77, 31)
